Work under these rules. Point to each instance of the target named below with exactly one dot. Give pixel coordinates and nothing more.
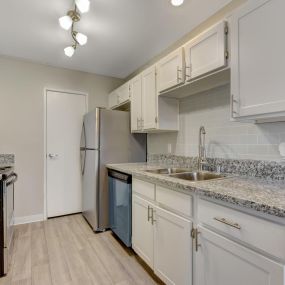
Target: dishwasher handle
(120, 176)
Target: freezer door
(90, 188)
(91, 128)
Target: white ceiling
(122, 34)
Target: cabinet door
(220, 261)
(136, 103)
(124, 93)
(206, 52)
(257, 66)
(172, 248)
(170, 70)
(149, 99)
(142, 229)
(112, 100)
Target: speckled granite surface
(7, 159)
(253, 168)
(267, 196)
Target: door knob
(53, 155)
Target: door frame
(66, 91)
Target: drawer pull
(227, 222)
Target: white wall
(22, 124)
(225, 139)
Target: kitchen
(206, 203)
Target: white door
(170, 70)
(142, 229)
(136, 103)
(257, 65)
(220, 261)
(206, 52)
(64, 118)
(172, 248)
(149, 99)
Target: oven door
(8, 218)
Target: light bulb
(177, 2)
(65, 22)
(83, 5)
(81, 39)
(69, 51)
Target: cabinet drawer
(257, 232)
(177, 201)
(143, 188)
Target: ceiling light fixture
(177, 2)
(82, 5)
(68, 21)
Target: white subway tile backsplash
(224, 138)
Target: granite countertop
(267, 196)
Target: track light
(82, 5)
(177, 2)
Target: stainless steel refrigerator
(105, 138)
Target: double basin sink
(187, 174)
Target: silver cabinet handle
(148, 213)
(142, 123)
(53, 155)
(152, 216)
(190, 69)
(233, 100)
(137, 123)
(178, 73)
(194, 235)
(227, 222)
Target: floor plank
(65, 251)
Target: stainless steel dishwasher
(120, 205)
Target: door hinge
(227, 54)
(226, 29)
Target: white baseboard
(28, 219)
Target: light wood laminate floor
(65, 251)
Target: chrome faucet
(202, 150)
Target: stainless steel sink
(198, 176)
(168, 170)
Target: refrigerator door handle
(83, 149)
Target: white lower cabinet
(220, 261)
(172, 248)
(142, 229)
(222, 246)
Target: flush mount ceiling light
(68, 21)
(177, 2)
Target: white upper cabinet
(136, 103)
(119, 96)
(206, 52)
(258, 61)
(149, 98)
(123, 93)
(220, 261)
(170, 70)
(148, 112)
(112, 99)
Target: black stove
(5, 171)
(7, 180)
